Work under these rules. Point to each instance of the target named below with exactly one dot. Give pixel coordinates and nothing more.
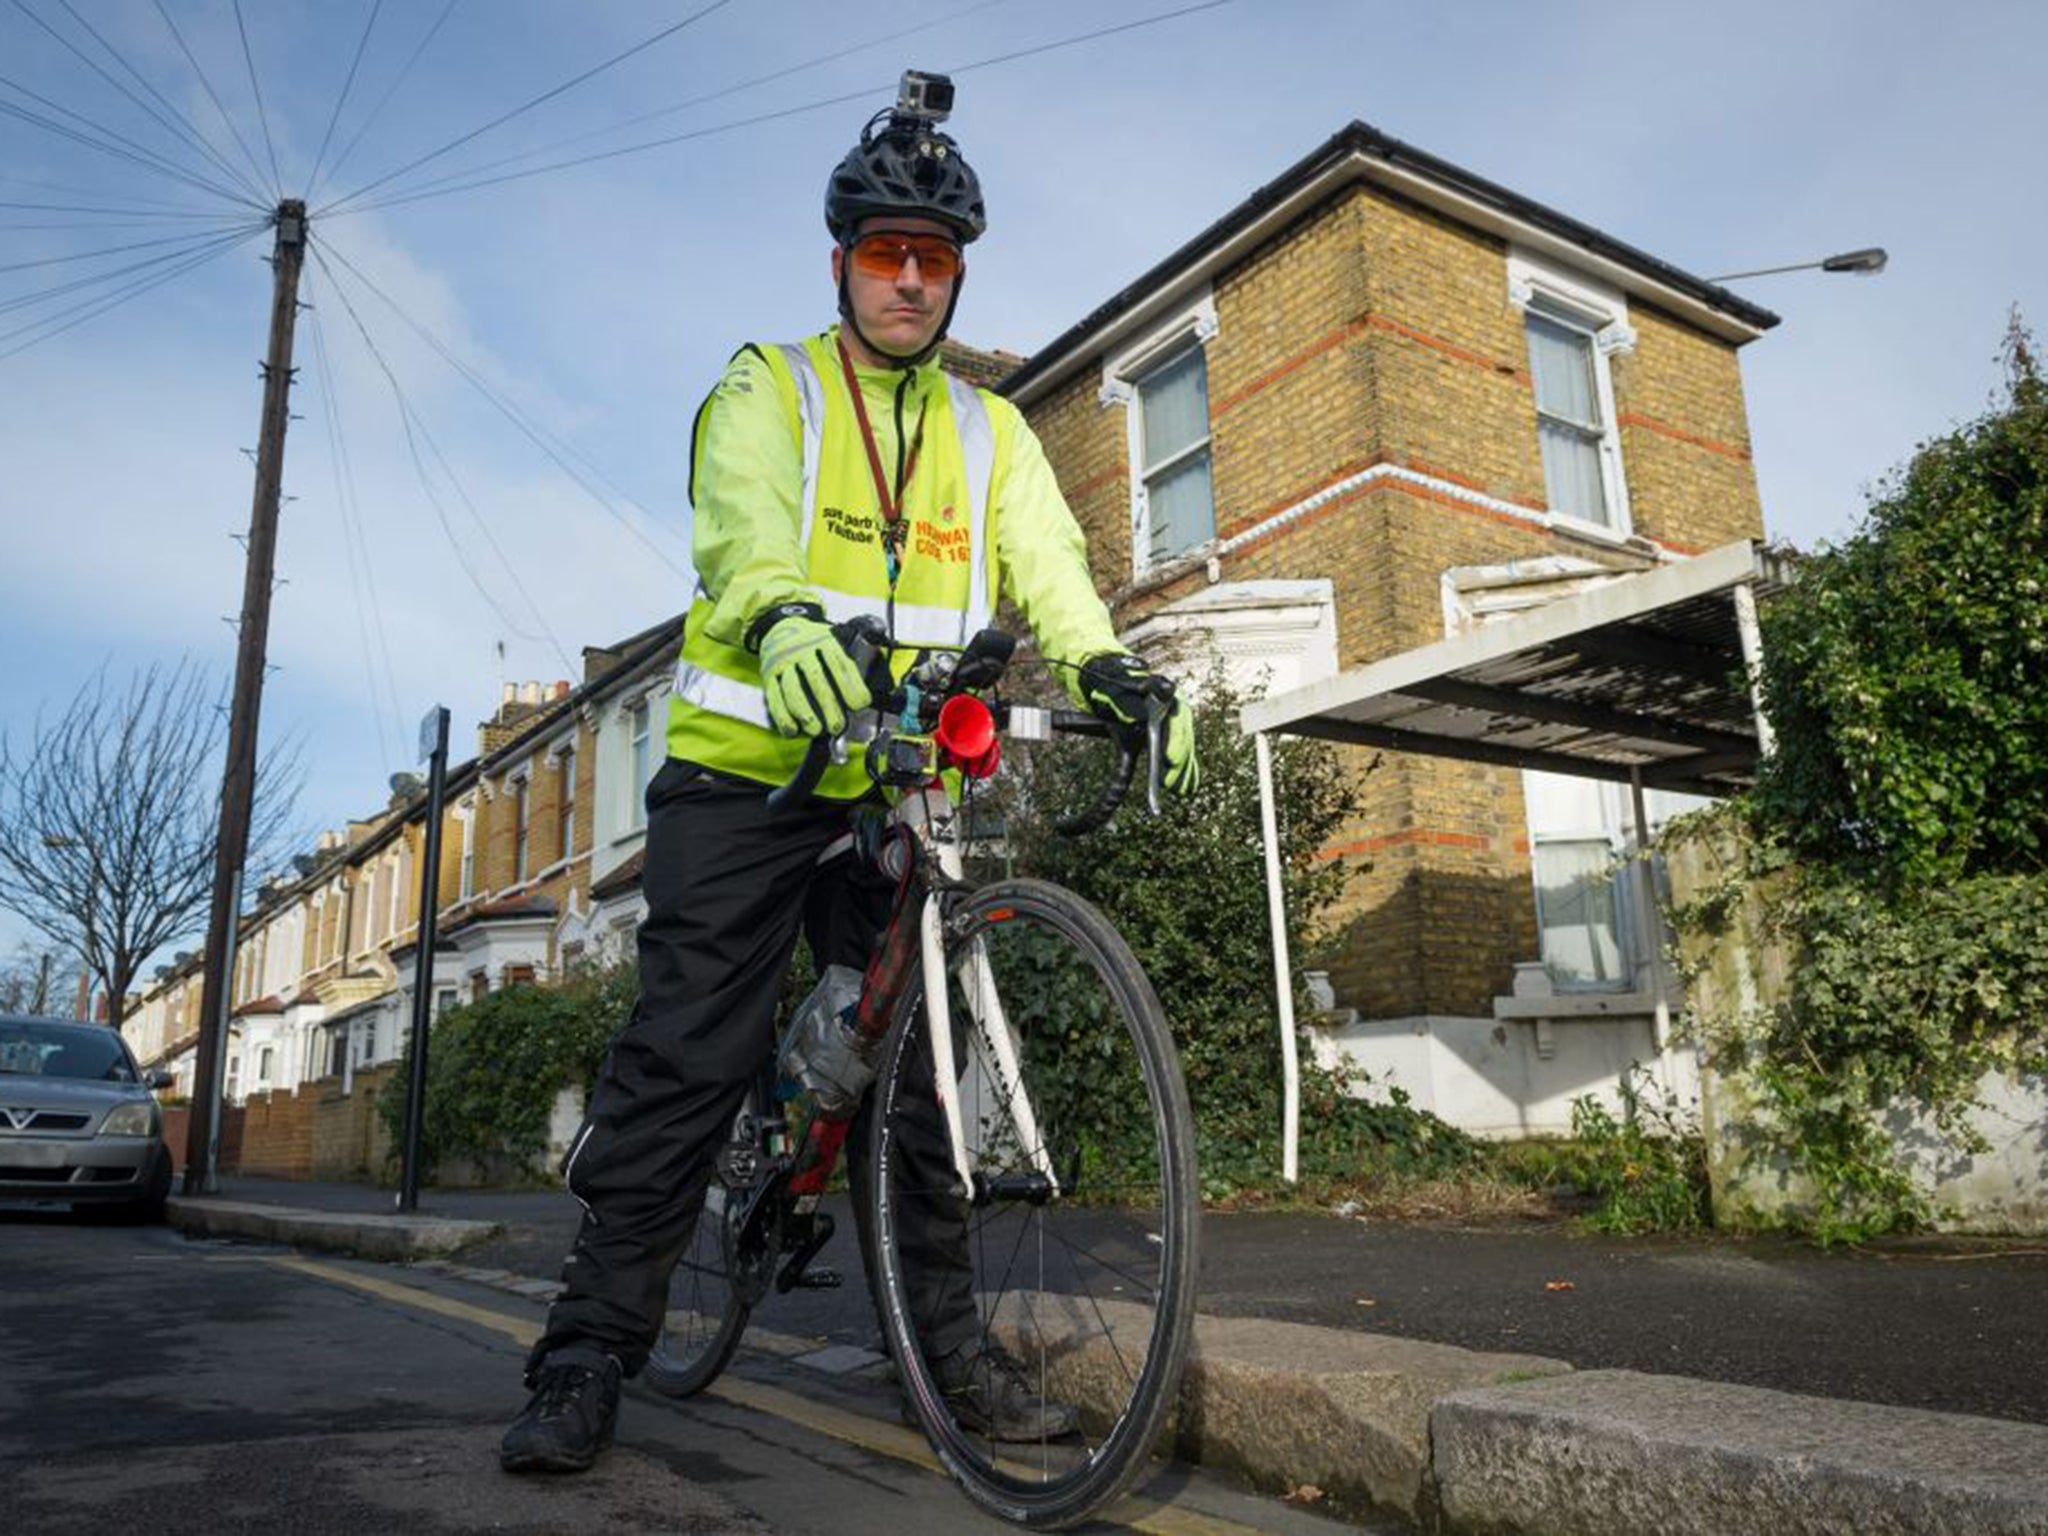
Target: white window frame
(519, 786)
(639, 727)
(465, 885)
(395, 898)
(565, 807)
(1601, 310)
(1192, 325)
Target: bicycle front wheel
(707, 1311)
(1065, 1273)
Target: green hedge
(1904, 813)
(496, 1065)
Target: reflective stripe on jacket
(786, 511)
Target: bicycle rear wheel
(1075, 1256)
(707, 1313)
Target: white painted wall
(1489, 1077)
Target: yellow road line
(516, 1329)
(896, 1441)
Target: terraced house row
(540, 850)
(1379, 401)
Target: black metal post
(434, 747)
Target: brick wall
(1371, 332)
(178, 1126)
(277, 1135)
(349, 1137)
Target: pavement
(1497, 1379)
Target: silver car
(78, 1122)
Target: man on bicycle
(840, 476)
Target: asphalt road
(158, 1384)
(1957, 1328)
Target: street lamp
(83, 1006)
(1866, 263)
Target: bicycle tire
(1107, 1322)
(698, 1339)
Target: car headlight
(130, 1120)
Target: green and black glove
(1122, 690)
(813, 686)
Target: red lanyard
(892, 513)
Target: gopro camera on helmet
(926, 99)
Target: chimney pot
(511, 693)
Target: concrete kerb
(1457, 1441)
(1602, 1452)
(1281, 1405)
(394, 1238)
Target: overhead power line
(335, 116)
(79, 284)
(96, 135)
(262, 117)
(389, 91)
(834, 57)
(360, 570)
(211, 94)
(178, 122)
(93, 64)
(109, 250)
(415, 433)
(83, 313)
(527, 106)
(125, 213)
(869, 93)
(556, 449)
(75, 190)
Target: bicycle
(1065, 1145)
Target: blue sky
(600, 301)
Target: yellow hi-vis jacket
(786, 512)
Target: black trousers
(727, 884)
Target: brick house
(548, 808)
(1379, 401)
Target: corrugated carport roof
(1645, 673)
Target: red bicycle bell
(967, 735)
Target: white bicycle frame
(989, 1032)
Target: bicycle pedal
(817, 1280)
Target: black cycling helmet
(904, 165)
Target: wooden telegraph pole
(238, 783)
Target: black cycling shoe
(571, 1416)
(991, 1394)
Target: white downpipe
(1283, 969)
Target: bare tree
(38, 978)
(109, 816)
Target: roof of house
(1360, 151)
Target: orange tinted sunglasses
(883, 253)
